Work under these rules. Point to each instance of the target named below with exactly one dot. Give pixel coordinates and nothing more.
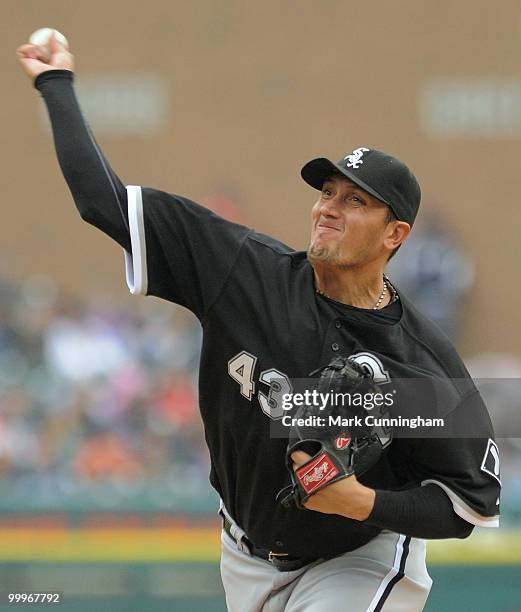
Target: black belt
(281, 561)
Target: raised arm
(98, 193)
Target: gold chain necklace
(378, 301)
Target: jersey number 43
(242, 369)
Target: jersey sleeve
(465, 466)
(181, 251)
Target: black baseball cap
(383, 176)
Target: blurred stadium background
(103, 468)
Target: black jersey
(263, 321)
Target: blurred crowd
(98, 402)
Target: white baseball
(42, 37)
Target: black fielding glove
(337, 450)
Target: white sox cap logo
(355, 159)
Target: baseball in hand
(42, 37)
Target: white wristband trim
(136, 263)
(464, 510)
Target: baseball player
(270, 315)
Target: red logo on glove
(342, 441)
(316, 473)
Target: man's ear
(398, 232)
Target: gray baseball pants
(387, 574)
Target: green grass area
(475, 589)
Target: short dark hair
(390, 215)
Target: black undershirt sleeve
(98, 193)
(424, 512)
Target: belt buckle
(273, 556)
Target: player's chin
(321, 249)
(318, 253)
(330, 255)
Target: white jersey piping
(136, 262)
(464, 510)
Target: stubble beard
(325, 255)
